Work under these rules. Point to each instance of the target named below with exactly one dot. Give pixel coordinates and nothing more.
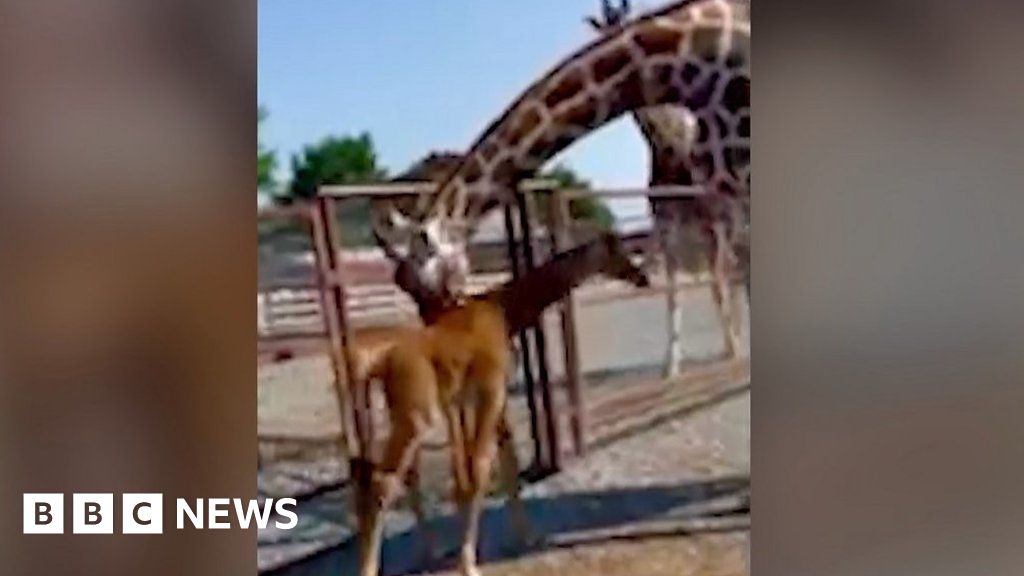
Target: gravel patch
(668, 500)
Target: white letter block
(92, 514)
(43, 513)
(142, 514)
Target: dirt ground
(672, 500)
(668, 498)
(679, 555)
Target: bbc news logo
(143, 513)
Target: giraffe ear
(391, 229)
(398, 220)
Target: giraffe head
(615, 261)
(432, 260)
(433, 255)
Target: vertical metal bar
(540, 341)
(524, 344)
(328, 307)
(359, 393)
(560, 240)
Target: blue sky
(423, 75)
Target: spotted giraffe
(692, 53)
(671, 133)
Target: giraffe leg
(481, 449)
(509, 471)
(722, 264)
(674, 351)
(735, 299)
(739, 311)
(416, 503)
(461, 485)
(407, 432)
(509, 468)
(457, 449)
(743, 266)
(739, 262)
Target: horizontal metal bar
(671, 191)
(301, 210)
(388, 189)
(412, 188)
(532, 185)
(295, 284)
(282, 335)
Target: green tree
(334, 160)
(266, 160)
(588, 208)
(338, 160)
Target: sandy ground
(667, 500)
(672, 500)
(649, 555)
(652, 556)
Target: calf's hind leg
(407, 432)
(414, 489)
(481, 448)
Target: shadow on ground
(564, 520)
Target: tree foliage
(266, 159)
(352, 159)
(590, 208)
(338, 160)
(334, 160)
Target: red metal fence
(313, 293)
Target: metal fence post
(352, 395)
(539, 457)
(540, 340)
(559, 216)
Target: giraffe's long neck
(693, 53)
(670, 132)
(524, 299)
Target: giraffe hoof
(671, 371)
(732, 351)
(470, 571)
(467, 564)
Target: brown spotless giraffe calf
(693, 53)
(371, 345)
(459, 363)
(672, 134)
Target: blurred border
(888, 324)
(127, 132)
(885, 341)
